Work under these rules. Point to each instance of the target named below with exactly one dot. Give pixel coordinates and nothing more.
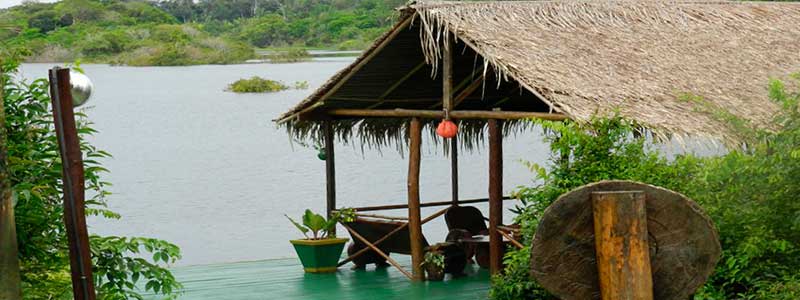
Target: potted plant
(434, 265)
(320, 252)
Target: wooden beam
(468, 91)
(414, 224)
(511, 239)
(429, 204)
(495, 196)
(397, 84)
(621, 244)
(437, 114)
(73, 178)
(10, 282)
(381, 253)
(360, 64)
(330, 170)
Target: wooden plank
(621, 244)
(73, 177)
(437, 114)
(10, 282)
(330, 170)
(495, 196)
(429, 204)
(381, 253)
(414, 224)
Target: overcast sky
(9, 3)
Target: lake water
(209, 170)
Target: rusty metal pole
(10, 283)
(621, 244)
(495, 195)
(73, 181)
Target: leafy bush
(749, 193)
(35, 170)
(257, 84)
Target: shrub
(256, 85)
(34, 166)
(749, 193)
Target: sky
(9, 3)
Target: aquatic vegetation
(257, 84)
(289, 56)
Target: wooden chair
(381, 237)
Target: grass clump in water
(289, 56)
(257, 84)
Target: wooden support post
(447, 75)
(414, 224)
(330, 170)
(495, 195)
(73, 177)
(454, 168)
(10, 284)
(621, 243)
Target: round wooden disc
(684, 246)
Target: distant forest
(180, 32)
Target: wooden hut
(670, 66)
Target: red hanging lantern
(447, 129)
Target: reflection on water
(209, 171)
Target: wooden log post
(495, 195)
(330, 170)
(454, 169)
(73, 177)
(414, 222)
(621, 243)
(447, 105)
(10, 286)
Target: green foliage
(35, 168)
(257, 84)
(433, 258)
(749, 194)
(181, 32)
(289, 56)
(318, 226)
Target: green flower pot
(319, 256)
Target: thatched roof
(579, 58)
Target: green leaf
(302, 228)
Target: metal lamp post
(68, 90)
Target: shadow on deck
(285, 279)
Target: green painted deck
(285, 279)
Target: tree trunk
(9, 260)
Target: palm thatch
(641, 60)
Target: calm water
(209, 171)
